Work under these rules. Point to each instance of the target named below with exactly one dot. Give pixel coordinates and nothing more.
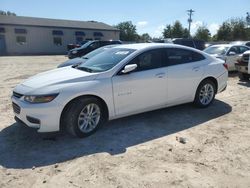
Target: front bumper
(45, 117)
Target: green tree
(175, 31)
(239, 29)
(203, 33)
(8, 13)
(167, 32)
(127, 31)
(145, 37)
(234, 29)
(225, 32)
(185, 33)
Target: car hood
(74, 61)
(54, 78)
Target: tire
(205, 93)
(243, 76)
(80, 121)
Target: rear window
(177, 56)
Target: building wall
(39, 40)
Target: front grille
(16, 108)
(17, 95)
(245, 58)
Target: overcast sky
(149, 16)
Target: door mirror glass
(129, 68)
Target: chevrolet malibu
(121, 81)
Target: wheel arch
(211, 78)
(83, 96)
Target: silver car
(228, 52)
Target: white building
(27, 35)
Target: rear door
(185, 70)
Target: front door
(2, 45)
(143, 89)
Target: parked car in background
(227, 52)
(243, 66)
(246, 43)
(72, 46)
(90, 46)
(121, 81)
(78, 60)
(194, 43)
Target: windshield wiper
(85, 69)
(85, 57)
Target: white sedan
(121, 81)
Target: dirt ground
(137, 151)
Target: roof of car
(139, 46)
(228, 45)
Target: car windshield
(105, 60)
(220, 50)
(86, 44)
(97, 51)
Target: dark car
(78, 60)
(72, 46)
(194, 43)
(90, 46)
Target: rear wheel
(243, 76)
(84, 116)
(205, 94)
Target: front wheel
(205, 94)
(84, 116)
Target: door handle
(160, 75)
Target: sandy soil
(137, 151)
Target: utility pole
(190, 13)
(248, 19)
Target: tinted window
(149, 60)
(177, 56)
(21, 40)
(57, 41)
(234, 49)
(242, 49)
(248, 44)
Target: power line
(190, 13)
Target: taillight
(225, 65)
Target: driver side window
(233, 49)
(148, 60)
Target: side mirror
(129, 68)
(231, 53)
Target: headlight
(74, 52)
(39, 98)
